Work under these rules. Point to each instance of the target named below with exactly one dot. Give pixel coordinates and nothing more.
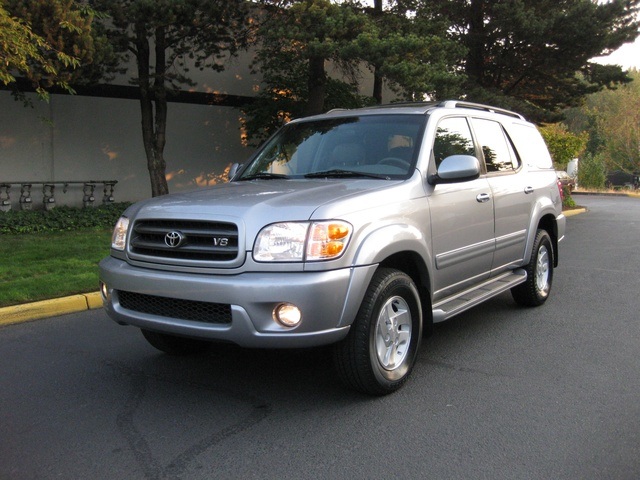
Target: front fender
(389, 240)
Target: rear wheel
(536, 289)
(382, 345)
(174, 345)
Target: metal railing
(49, 192)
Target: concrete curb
(608, 194)
(49, 308)
(574, 211)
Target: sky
(627, 56)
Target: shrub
(60, 219)
(592, 172)
(563, 145)
(567, 200)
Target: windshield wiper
(338, 173)
(264, 176)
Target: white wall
(79, 138)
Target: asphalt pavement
(499, 392)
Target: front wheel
(382, 345)
(535, 290)
(174, 345)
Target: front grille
(176, 308)
(185, 239)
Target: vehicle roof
(416, 108)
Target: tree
(612, 118)
(166, 39)
(533, 55)
(411, 53)
(295, 42)
(408, 48)
(44, 41)
(302, 38)
(300, 44)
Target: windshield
(374, 146)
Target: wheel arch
(548, 223)
(412, 264)
(408, 252)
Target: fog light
(104, 291)
(287, 315)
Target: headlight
(119, 238)
(302, 241)
(281, 242)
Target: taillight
(560, 190)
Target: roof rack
(479, 106)
(406, 104)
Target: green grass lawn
(40, 266)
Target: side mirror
(456, 168)
(235, 168)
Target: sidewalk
(49, 308)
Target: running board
(462, 301)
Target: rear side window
(530, 145)
(499, 155)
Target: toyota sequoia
(357, 228)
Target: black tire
(382, 345)
(174, 345)
(535, 291)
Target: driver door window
(453, 137)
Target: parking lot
(499, 392)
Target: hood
(260, 202)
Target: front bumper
(328, 300)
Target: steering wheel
(395, 162)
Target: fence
(49, 193)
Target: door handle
(483, 197)
(528, 190)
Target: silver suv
(358, 228)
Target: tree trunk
(476, 42)
(377, 85)
(160, 136)
(153, 130)
(317, 83)
(377, 77)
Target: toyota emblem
(174, 239)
